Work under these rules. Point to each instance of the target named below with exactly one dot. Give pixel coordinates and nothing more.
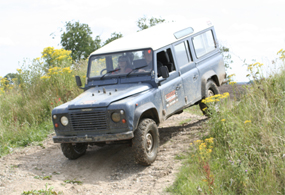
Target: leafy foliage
(12, 78)
(227, 57)
(113, 37)
(77, 38)
(144, 23)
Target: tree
(144, 23)
(227, 60)
(97, 42)
(77, 38)
(227, 57)
(114, 36)
(12, 78)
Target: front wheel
(73, 152)
(146, 142)
(211, 89)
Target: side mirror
(78, 81)
(164, 72)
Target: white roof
(154, 37)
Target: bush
(26, 105)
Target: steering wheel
(102, 71)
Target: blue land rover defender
(136, 82)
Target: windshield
(123, 63)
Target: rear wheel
(73, 152)
(146, 142)
(211, 90)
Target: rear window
(204, 43)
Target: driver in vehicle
(124, 65)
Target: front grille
(89, 121)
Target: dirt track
(102, 170)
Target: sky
(252, 29)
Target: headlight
(116, 117)
(64, 120)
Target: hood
(104, 96)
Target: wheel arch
(210, 75)
(147, 110)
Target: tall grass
(26, 104)
(248, 156)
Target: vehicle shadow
(99, 164)
(166, 133)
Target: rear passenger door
(188, 71)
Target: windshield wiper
(108, 73)
(136, 69)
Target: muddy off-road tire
(211, 89)
(146, 142)
(73, 152)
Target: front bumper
(94, 138)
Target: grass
(48, 177)
(26, 102)
(249, 138)
(46, 191)
(185, 121)
(74, 181)
(24, 136)
(194, 110)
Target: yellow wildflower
(198, 141)
(225, 95)
(232, 83)
(247, 121)
(67, 69)
(280, 51)
(223, 120)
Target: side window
(204, 43)
(165, 58)
(181, 54)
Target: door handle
(179, 86)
